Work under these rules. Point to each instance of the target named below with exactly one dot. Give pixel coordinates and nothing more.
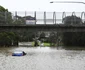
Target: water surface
(42, 58)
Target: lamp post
(67, 2)
(75, 2)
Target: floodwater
(42, 58)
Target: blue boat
(18, 53)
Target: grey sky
(42, 5)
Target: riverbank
(74, 48)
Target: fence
(19, 18)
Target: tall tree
(5, 16)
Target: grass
(33, 43)
(45, 44)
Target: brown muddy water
(42, 58)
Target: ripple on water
(43, 58)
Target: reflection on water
(42, 58)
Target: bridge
(35, 24)
(57, 27)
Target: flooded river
(42, 58)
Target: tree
(72, 20)
(22, 20)
(42, 36)
(8, 39)
(53, 38)
(73, 38)
(5, 16)
(18, 20)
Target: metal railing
(27, 18)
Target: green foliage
(22, 20)
(19, 20)
(53, 38)
(2, 9)
(72, 20)
(5, 16)
(26, 35)
(46, 44)
(42, 35)
(73, 38)
(8, 39)
(8, 18)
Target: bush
(8, 39)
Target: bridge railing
(31, 18)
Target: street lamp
(67, 2)
(79, 2)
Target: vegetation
(5, 16)
(46, 44)
(73, 38)
(53, 38)
(72, 20)
(22, 20)
(8, 39)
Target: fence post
(35, 17)
(73, 20)
(83, 13)
(44, 17)
(25, 17)
(54, 17)
(16, 15)
(63, 16)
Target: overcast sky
(42, 5)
